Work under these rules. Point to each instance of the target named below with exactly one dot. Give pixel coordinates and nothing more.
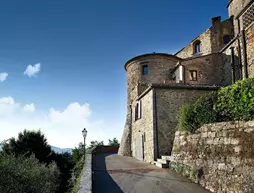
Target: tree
(28, 143)
(113, 142)
(78, 152)
(19, 174)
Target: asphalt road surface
(118, 174)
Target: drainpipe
(155, 127)
(245, 55)
(233, 64)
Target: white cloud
(61, 127)
(31, 71)
(29, 108)
(3, 76)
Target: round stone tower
(141, 71)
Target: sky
(61, 61)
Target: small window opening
(145, 69)
(138, 111)
(193, 75)
(197, 47)
(226, 39)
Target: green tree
(78, 152)
(21, 174)
(113, 142)
(28, 143)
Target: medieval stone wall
(219, 156)
(250, 49)
(168, 101)
(144, 127)
(209, 69)
(188, 51)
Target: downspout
(155, 127)
(233, 64)
(245, 55)
(130, 130)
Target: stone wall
(219, 156)
(204, 38)
(250, 49)
(125, 144)
(144, 127)
(209, 70)
(168, 101)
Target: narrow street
(117, 174)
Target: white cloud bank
(62, 128)
(3, 76)
(29, 108)
(31, 71)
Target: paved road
(117, 174)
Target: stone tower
(141, 71)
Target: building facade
(158, 83)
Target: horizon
(62, 63)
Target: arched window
(197, 47)
(226, 39)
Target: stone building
(158, 83)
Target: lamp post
(84, 133)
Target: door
(140, 147)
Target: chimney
(216, 20)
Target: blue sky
(81, 47)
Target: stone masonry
(219, 156)
(159, 83)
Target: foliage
(19, 174)
(34, 143)
(94, 144)
(185, 118)
(113, 142)
(77, 172)
(235, 102)
(28, 143)
(65, 164)
(78, 152)
(204, 109)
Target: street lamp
(84, 133)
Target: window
(138, 110)
(226, 39)
(193, 75)
(197, 47)
(145, 69)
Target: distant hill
(55, 149)
(61, 150)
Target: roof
(151, 54)
(179, 86)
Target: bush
(77, 173)
(186, 117)
(235, 102)
(204, 109)
(26, 174)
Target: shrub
(204, 109)
(186, 118)
(77, 173)
(26, 174)
(235, 102)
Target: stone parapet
(219, 156)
